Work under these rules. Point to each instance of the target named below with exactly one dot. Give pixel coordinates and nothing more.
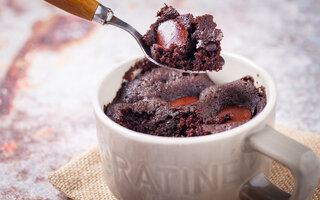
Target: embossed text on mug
(155, 179)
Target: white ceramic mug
(226, 166)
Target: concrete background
(50, 63)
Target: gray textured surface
(48, 74)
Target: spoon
(94, 11)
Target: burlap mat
(82, 178)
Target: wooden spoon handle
(81, 8)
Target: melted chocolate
(234, 114)
(171, 32)
(184, 101)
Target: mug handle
(302, 162)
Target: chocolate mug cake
(166, 102)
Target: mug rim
(142, 137)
